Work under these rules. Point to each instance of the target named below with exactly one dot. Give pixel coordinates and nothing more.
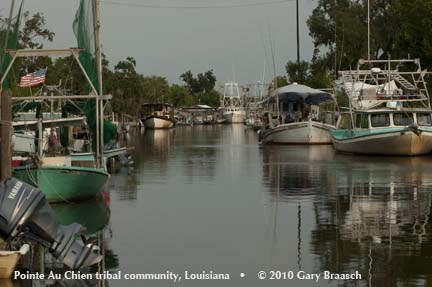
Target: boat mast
(298, 31)
(99, 100)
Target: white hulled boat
(232, 105)
(301, 117)
(157, 116)
(390, 111)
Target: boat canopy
(296, 93)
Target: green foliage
(201, 87)
(34, 31)
(314, 74)
(179, 96)
(280, 81)
(397, 29)
(202, 83)
(298, 72)
(129, 88)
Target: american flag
(33, 79)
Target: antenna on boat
(274, 75)
(263, 79)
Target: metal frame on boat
(233, 110)
(389, 110)
(64, 181)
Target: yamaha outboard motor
(25, 213)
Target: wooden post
(6, 136)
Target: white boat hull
(158, 123)
(234, 117)
(309, 132)
(407, 143)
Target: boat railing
(413, 90)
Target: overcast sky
(168, 42)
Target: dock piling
(6, 136)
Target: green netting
(84, 30)
(12, 42)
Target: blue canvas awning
(296, 93)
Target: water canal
(209, 198)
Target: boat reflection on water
(369, 214)
(157, 142)
(93, 214)
(297, 170)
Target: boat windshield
(362, 121)
(380, 120)
(403, 119)
(424, 119)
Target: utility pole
(298, 31)
(368, 13)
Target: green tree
(339, 27)
(280, 81)
(298, 72)
(34, 31)
(201, 87)
(179, 96)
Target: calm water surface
(209, 198)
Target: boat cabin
(158, 110)
(375, 119)
(299, 103)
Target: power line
(256, 4)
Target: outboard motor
(25, 213)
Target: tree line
(399, 29)
(129, 88)
(338, 28)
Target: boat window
(380, 120)
(424, 119)
(345, 122)
(403, 119)
(362, 121)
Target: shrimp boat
(232, 104)
(157, 116)
(66, 178)
(389, 109)
(302, 118)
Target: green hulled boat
(64, 183)
(389, 109)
